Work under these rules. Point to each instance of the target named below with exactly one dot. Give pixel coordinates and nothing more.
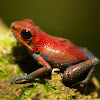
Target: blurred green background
(77, 20)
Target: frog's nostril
(13, 27)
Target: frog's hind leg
(91, 56)
(88, 77)
(80, 73)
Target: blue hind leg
(87, 53)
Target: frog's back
(59, 51)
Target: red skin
(52, 51)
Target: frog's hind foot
(74, 73)
(19, 79)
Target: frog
(76, 64)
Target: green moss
(27, 91)
(46, 87)
(70, 98)
(4, 61)
(4, 74)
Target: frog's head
(24, 31)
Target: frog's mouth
(16, 37)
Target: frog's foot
(55, 70)
(19, 79)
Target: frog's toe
(13, 81)
(18, 79)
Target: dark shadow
(86, 89)
(25, 60)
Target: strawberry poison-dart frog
(76, 64)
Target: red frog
(76, 64)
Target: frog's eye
(13, 28)
(26, 35)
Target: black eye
(25, 34)
(13, 28)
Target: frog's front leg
(74, 72)
(46, 68)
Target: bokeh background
(77, 20)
